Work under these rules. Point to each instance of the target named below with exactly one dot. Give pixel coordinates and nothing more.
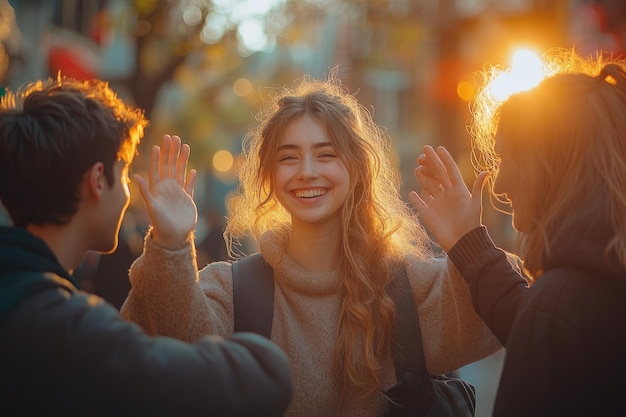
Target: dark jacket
(565, 336)
(65, 352)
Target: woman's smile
(310, 193)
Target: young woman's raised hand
(169, 194)
(445, 204)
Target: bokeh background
(203, 69)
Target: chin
(518, 225)
(108, 248)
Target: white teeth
(310, 193)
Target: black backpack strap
(417, 393)
(407, 348)
(253, 295)
(253, 298)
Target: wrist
(170, 242)
(470, 246)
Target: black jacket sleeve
(71, 352)
(497, 287)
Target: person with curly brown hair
(320, 195)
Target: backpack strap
(417, 393)
(253, 298)
(407, 348)
(253, 295)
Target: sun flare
(526, 72)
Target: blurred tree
(207, 36)
(7, 38)
(206, 49)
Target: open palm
(445, 204)
(169, 194)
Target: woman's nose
(499, 186)
(308, 168)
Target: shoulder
(218, 268)
(576, 295)
(217, 275)
(63, 310)
(579, 307)
(434, 275)
(427, 270)
(431, 265)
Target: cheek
(340, 173)
(281, 177)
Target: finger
(430, 185)
(479, 184)
(425, 180)
(432, 177)
(417, 202)
(166, 146)
(452, 169)
(423, 164)
(153, 170)
(173, 156)
(439, 171)
(426, 171)
(191, 182)
(181, 166)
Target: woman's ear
(95, 181)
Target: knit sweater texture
(169, 297)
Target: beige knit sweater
(169, 298)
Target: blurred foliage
(202, 107)
(404, 59)
(185, 83)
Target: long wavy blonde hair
(566, 138)
(378, 230)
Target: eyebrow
(316, 146)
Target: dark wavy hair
(51, 133)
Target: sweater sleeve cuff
(188, 241)
(472, 244)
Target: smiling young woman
(321, 197)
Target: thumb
(479, 184)
(144, 190)
(191, 182)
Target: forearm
(453, 333)
(496, 287)
(242, 375)
(165, 297)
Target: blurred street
(203, 69)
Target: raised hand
(445, 205)
(169, 194)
